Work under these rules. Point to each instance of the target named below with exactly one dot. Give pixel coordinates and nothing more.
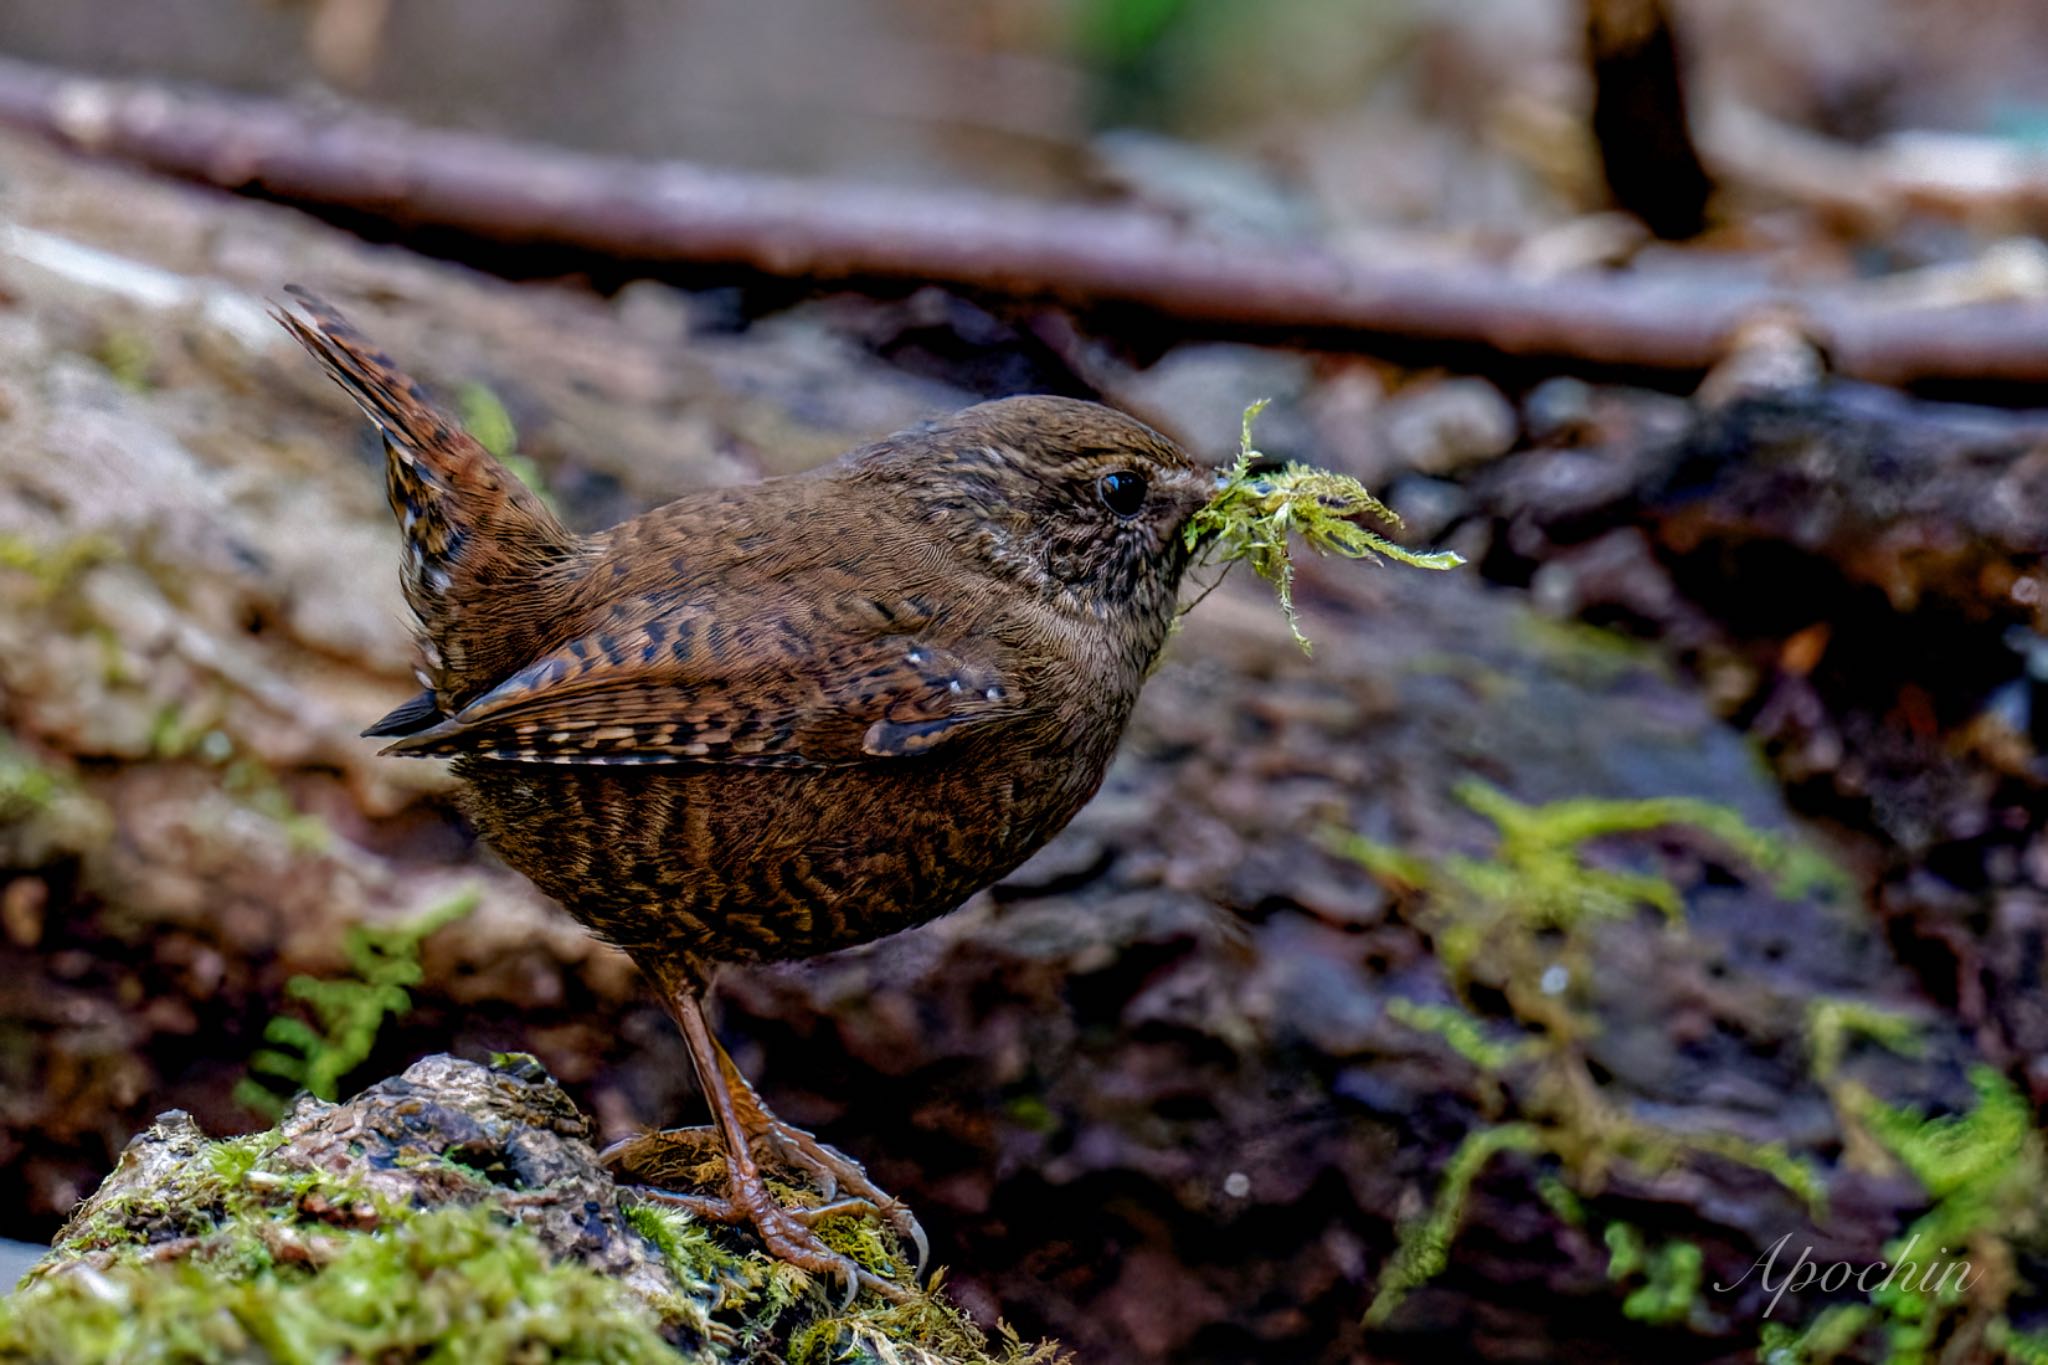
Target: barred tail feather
(472, 530)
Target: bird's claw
(833, 1171)
(812, 1215)
(674, 1156)
(785, 1233)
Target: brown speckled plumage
(775, 720)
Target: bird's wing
(683, 687)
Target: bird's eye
(1122, 492)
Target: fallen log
(671, 213)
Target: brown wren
(775, 720)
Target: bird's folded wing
(679, 688)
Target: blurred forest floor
(1353, 956)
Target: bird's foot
(836, 1174)
(654, 1165)
(786, 1232)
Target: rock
(1618, 572)
(1427, 507)
(1203, 390)
(1449, 425)
(454, 1203)
(1221, 195)
(1558, 410)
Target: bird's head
(1080, 503)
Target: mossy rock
(455, 1213)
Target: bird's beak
(1193, 488)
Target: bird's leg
(835, 1172)
(785, 1232)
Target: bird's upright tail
(487, 567)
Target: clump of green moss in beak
(1254, 513)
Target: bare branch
(668, 213)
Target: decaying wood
(673, 213)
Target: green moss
(460, 1283)
(1665, 1279)
(223, 1195)
(129, 358)
(1540, 876)
(249, 1248)
(179, 731)
(920, 1332)
(1122, 30)
(384, 960)
(54, 567)
(1540, 862)
(1833, 1023)
(1253, 513)
(767, 1295)
(1424, 1245)
(865, 1242)
(761, 1290)
(486, 418)
(1562, 1201)
(1829, 1336)
(1031, 1112)
(44, 813)
(169, 736)
(232, 1159)
(27, 788)
(685, 1244)
(1965, 1157)
(258, 788)
(1626, 1253)
(1468, 1037)
(704, 1272)
(1986, 1171)
(1518, 924)
(1587, 653)
(2022, 1348)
